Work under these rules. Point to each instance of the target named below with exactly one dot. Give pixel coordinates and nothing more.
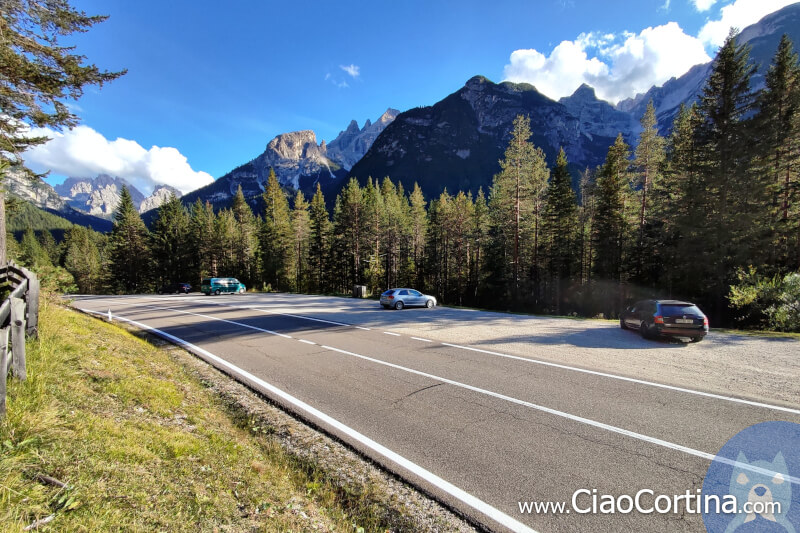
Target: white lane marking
(307, 342)
(421, 339)
(391, 333)
(631, 380)
(461, 495)
(546, 363)
(257, 308)
(362, 327)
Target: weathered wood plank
(32, 299)
(18, 338)
(4, 361)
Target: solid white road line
(461, 495)
(536, 362)
(631, 380)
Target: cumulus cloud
(703, 5)
(617, 67)
(84, 153)
(739, 15)
(353, 70)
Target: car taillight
(658, 319)
(705, 320)
(391, 297)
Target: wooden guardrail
(19, 316)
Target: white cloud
(84, 153)
(621, 66)
(739, 15)
(353, 70)
(703, 5)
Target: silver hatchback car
(400, 298)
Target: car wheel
(399, 305)
(429, 304)
(622, 324)
(697, 339)
(241, 291)
(216, 292)
(643, 329)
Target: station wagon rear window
(672, 309)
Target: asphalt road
(479, 423)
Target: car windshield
(680, 309)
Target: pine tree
(51, 247)
(778, 123)
(301, 234)
(349, 222)
(516, 201)
(246, 250)
(418, 216)
(31, 253)
(685, 201)
(559, 229)
(276, 235)
(320, 243)
(170, 242)
(736, 199)
(203, 241)
(83, 260)
(480, 242)
(38, 76)
(226, 241)
(610, 221)
(647, 164)
(130, 250)
(374, 214)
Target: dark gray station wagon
(654, 318)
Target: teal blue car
(221, 286)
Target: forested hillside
(709, 214)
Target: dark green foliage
(276, 236)
(319, 244)
(131, 262)
(767, 302)
(170, 243)
(246, 253)
(560, 231)
(83, 259)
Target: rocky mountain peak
(351, 145)
(160, 195)
(292, 146)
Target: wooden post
(3, 369)
(18, 338)
(33, 307)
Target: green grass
(143, 445)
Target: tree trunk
(3, 257)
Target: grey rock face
(98, 196)
(37, 192)
(351, 144)
(160, 195)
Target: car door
(632, 316)
(417, 297)
(404, 297)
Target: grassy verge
(142, 444)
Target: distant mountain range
(89, 202)
(298, 161)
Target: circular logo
(753, 484)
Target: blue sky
(213, 85)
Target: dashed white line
(421, 339)
(307, 342)
(461, 495)
(362, 327)
(391, 333)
